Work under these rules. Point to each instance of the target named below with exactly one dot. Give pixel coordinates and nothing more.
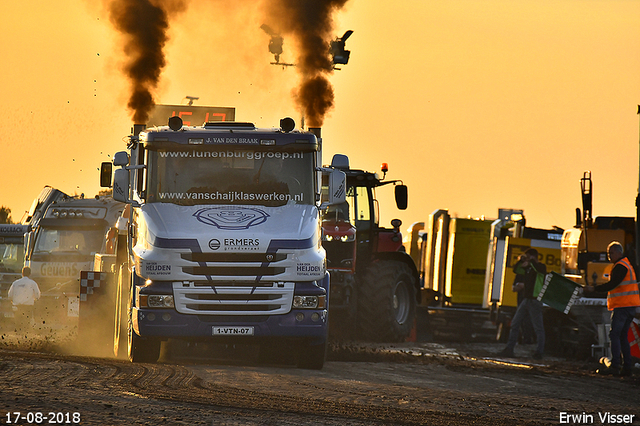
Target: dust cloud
(50, 328)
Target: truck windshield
(228, 176)
(12, 256)
(64, 240)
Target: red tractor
(374, 282)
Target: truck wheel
(386, 302)
(120, 317)
(312, 357)
(140, 349)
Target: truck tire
(120, 316)
(142, 349)
(386, 302)
(312, 357)
(139, 349)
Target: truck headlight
(309, 302)
(155, 301)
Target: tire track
(181, 377)
(115, 392)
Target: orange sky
(475, 105)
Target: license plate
(233, 331)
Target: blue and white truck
(224, 240)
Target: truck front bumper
(168, 323)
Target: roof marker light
(175, 123)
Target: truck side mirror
(106, 170)
(121, 159)
(29, 240)
(337, 186)
(402, 196)
(121, 185)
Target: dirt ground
(361, 384)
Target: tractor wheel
(386, 302)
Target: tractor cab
(373, 280)
(363, 211)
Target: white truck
(224, 241)
(62, 243)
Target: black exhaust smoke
(311, 24)
(144, 24)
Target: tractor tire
(386, 302)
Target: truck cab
(224, 238)
(63, 243)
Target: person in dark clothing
(527, 270)
(622, 299)
(527, 333)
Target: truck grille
(235, 300)
(234, 257)
(245, 271)
(235, 264)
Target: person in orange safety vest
(623, 298)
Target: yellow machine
(584, 248)
(465, 267)
(548, 254)
(510, 239)
(584, 260)
(452, 258)
(466, 261)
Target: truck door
(361, 203)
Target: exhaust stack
(316, 131)
(137, 128)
